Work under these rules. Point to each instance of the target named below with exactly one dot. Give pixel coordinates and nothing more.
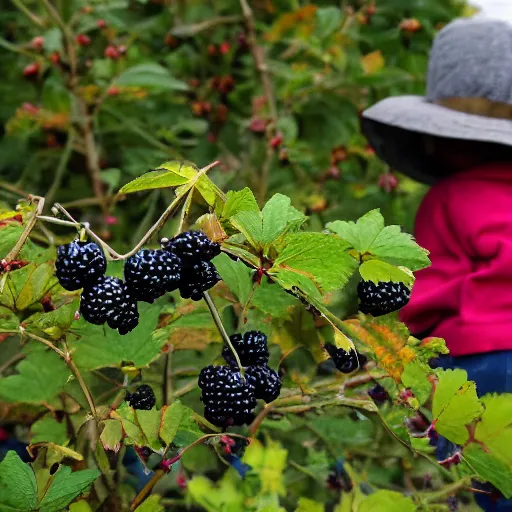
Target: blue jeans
(492, 373)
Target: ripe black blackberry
(142, 398)
(109, 300)
(252, 349)
(382, 298)
(78, 264)
(345, 362)
(378, 394)
(227, 399)
(150, 273)
(266, 382)
(198, 278)
(192, 246)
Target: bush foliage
(104, 106)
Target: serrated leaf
(151, 75)
(170, 174)
(54, 323)
(188, 431)
(239, 201)
(250, 224)
(455, 405)
(236, 275)
(376, 271)
(105, 347)
(415, 377)
(48, 429)
(111, 435)
(149, 422)
(489, 468)
(41, 376)
(18, 487)
(494, 429)
(387, 501)
(273, 300)
(172, 417)
(126, 415)
(65, 487)
(369, 236)
(152, 504)
(320, 258)
(307, 505)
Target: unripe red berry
(37, 43)
(83, 40)
(122, 49)
(258, 125)
(388, 182)
(111, 52)
(276, 141)
(31, 70)
(101, 23)
(55, 58)
(113, 90)
(212, 50)
(410, 25)
(224, 48)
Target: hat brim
(394, 127)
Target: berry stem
(220, 326)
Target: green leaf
(171, 174)
(273, 300)
(97, 346)
(152, 504)
(236, 275)
(126, 415)
(250, 224)
(387, 501)
(455, 405)
(320, 258)
(188, 431)
(65, 487)
(495, 426)
(55, 323)
(18, 487)
(48, 429)
(239, 201)
(376, 271)
(150, 75)
(80, 506)
(415, 377)
(149, 422)
(328, 19)
(171, 419)
(225, 495)
(111, 435)
(369, 236)
(41, 376)
(489, 468)
(307, 505)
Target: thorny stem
(160, 473)
(220, 326)
(28, 228)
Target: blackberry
(192, 246)
(227, 399)
(198, 278)
(151, 273)
(345, 362)
(382, 298)
(251, 348)
(266, 382)
(78, 264)
(109, 300)
(142, 398)
(378, 394)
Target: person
(458, 138)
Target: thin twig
(196, 28)
(13, 253)
(61, 168)
(13, 189)
(168, 377)
(220, 327)
(255, 425)
(49, 344)
(28, 13)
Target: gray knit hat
(469, 96)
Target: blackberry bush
(79, 264)
(227, 399)
(382, 298)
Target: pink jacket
(465, 297)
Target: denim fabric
(492, 373)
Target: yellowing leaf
(111, 435)
(372, 62)
(171, 419)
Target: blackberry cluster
(104, 298)
(198, 273)
(143, 398)
(227, 399)
(345, 362)
(382, 298)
